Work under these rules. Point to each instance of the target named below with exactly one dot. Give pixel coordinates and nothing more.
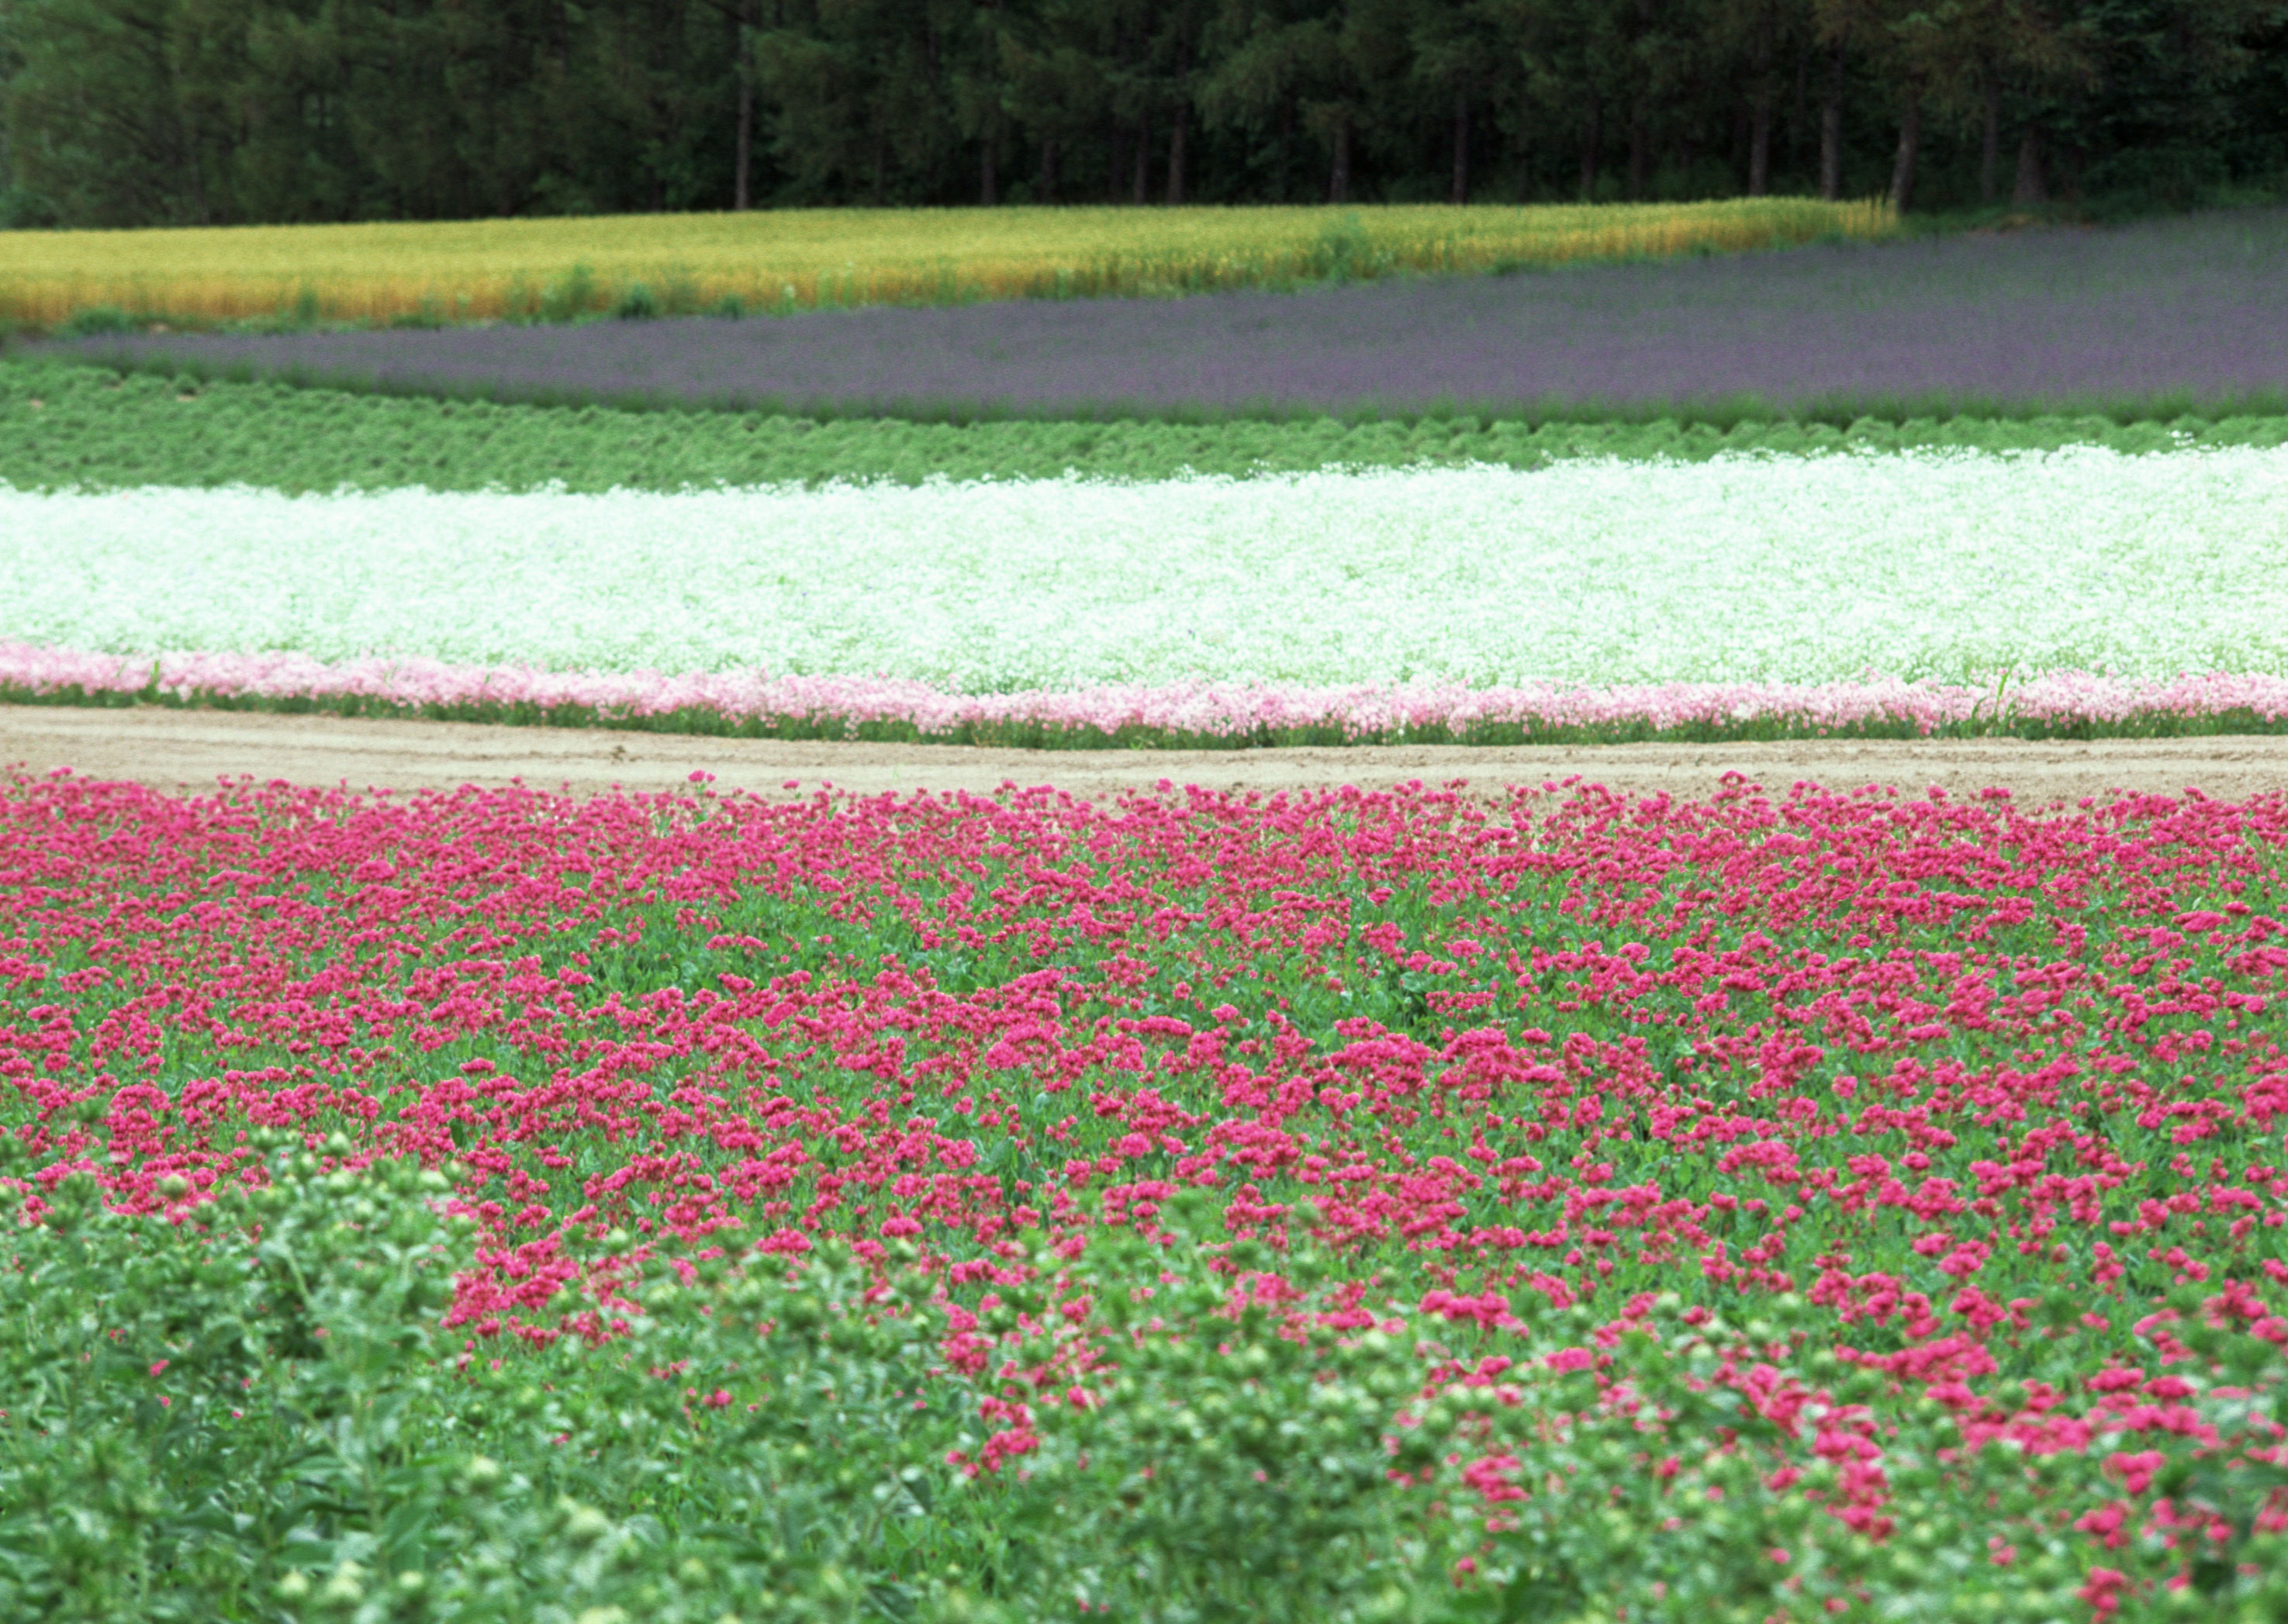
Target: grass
(797, 259)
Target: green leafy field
(62, 426)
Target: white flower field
(1927, 567)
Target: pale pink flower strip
(1203, 708)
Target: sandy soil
(179, 750)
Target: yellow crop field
(796, 259)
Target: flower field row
(1202, 715)
(1395, 1207)
(85, 428)
(795, 259)
(1942, 566)
(2150, 322)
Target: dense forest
(152, 112)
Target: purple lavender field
(2186, 311)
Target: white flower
(1742, 569)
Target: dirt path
(176, 751)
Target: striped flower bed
(1944, 566)
(2077, 591)
(1209, 714)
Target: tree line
(157, 112)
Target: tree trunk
(1801, 121)
(2033, 186)
(1339, 181)
(1593, 129)
(1759, 114)
(1048, 182)
(1990, 142)
(1831, 127)
(1119, 144)
(1176, 136)
(1640, 155)
(196, 171)
(1286, 144)
(742, 154)
(1143, 188)
(1461, 193)
(1910, 141)
(989, 179)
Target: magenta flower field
(1396, 1206)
